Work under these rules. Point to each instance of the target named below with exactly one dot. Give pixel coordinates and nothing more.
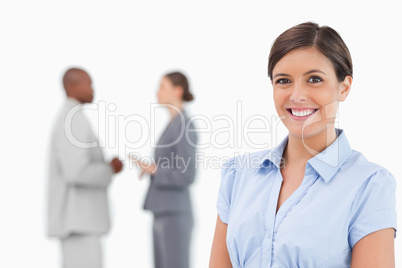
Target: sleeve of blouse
(374, 207)
(225, 190)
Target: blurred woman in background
(172, 174)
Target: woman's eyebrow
(314, 71)
(306, 73)
(281, 74)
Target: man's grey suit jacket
(78, 177)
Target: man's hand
(116, 165)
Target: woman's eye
(282, 81)
(315, 79)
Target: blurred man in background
(78, 212)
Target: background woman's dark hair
(309, 34)
(179, 79)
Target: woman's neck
(300, 149)
(178, 108)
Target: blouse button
(269, 234)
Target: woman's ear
(345, 87)
(179, 92)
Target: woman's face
(167, 93)
(307, 92)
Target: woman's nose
(298, 94)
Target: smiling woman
(312, 201)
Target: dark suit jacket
(175, 159)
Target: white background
(127, 46)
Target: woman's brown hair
(310, 34)
(179, 79)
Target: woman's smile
(301, 113)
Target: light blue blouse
(343, 197)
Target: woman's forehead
(303, 59)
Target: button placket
(270, 219)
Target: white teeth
(302, 112)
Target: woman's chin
(304, 132)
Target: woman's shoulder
(247, 161)
(360, 169)
(239, 170)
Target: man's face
(84, 89)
